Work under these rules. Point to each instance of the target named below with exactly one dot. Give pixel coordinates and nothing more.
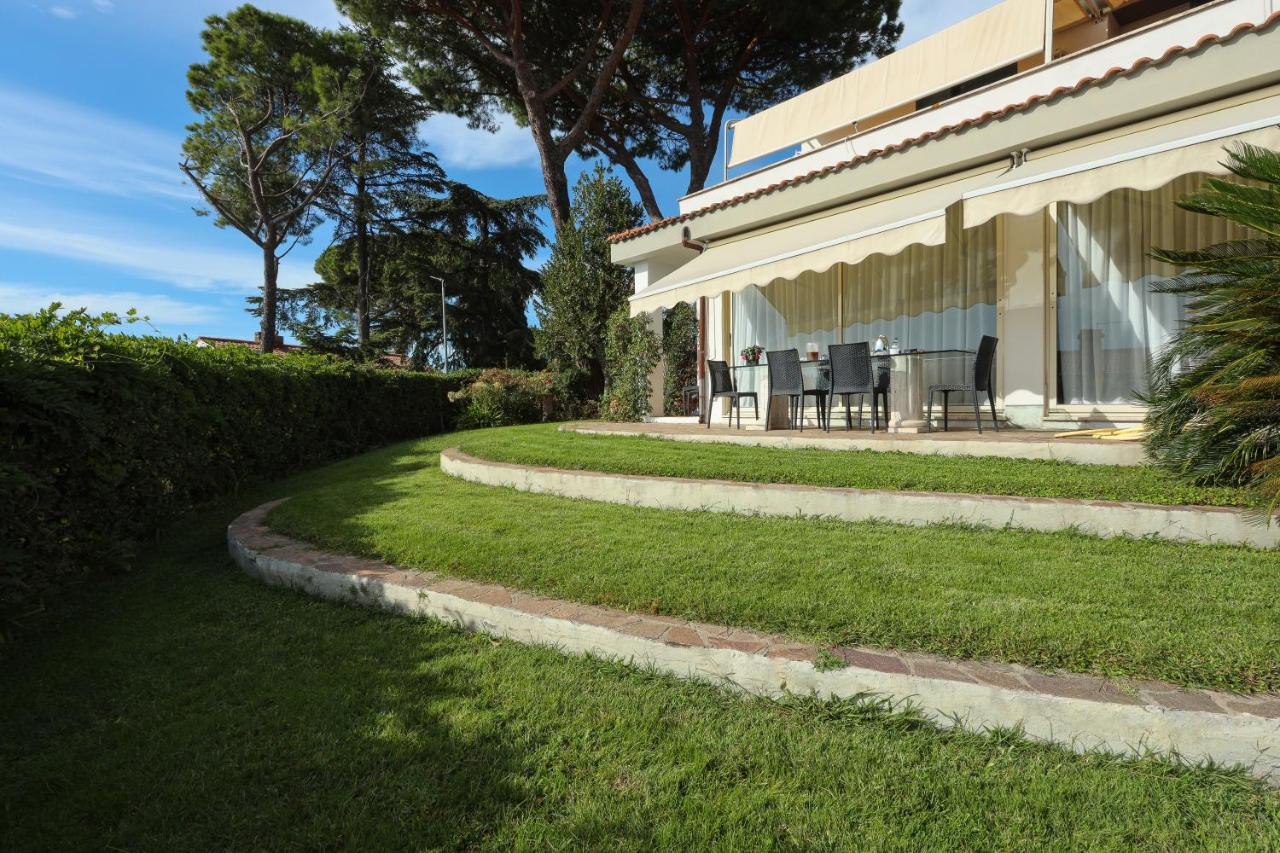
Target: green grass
(544, 444)
(190, 708)
(1196, 615)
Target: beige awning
(786, 254)
(1145, 159)
(884, 225)
(989, 40)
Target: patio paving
(1007, 443)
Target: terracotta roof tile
(1035, 100)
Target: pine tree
(581, 286)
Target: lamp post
(444, 324)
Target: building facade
(1007, 177)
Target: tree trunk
(270, 268)
(557, 185)
(701, 156)
(362, 259)
(618, 153)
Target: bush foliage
(680, 350)
(502, 397)
(1215, 390)
(632, 351)
(105, 437)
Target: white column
(1022, 356)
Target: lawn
(1197, 615)
(186, 707)
(544, 444)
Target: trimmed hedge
(105, 438)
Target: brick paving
(250, 531)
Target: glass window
(1110, 324)
(926, 297)
(788, 313)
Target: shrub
(632, 350)
(680, 352)
(1215, 389)
(105, 438)
(501, 397)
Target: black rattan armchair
(983, 379)
(854, 372)
(722, 387)
(786, 379)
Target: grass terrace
(200, 710)
(1200, 616)
(545, 444)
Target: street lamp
(444, 324)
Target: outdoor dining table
(911, 372)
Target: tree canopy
(476, 243)
(478, 58)
(581, 287)
(272, 100)
(632, 81)
(694, 61)
(383, 170)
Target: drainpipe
(702, 355)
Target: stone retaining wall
(1097, 518)
(1078, 711)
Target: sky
(93, 210)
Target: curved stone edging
(1097, 518)
(1091, 452)
(1080, 712)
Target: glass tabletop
(822, 362)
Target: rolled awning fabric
(1141, 160)
(880, 226)
(785, 254)
(989, 40)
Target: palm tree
(1215, 389)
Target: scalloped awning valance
(883, 226)
(1144, 159)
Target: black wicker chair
(983, 379)
(722, 387)
(854, 372)
(786, 379)
(689, 398)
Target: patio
(1009, 442)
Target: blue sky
(93, 210)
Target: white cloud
(462, 147)
(51, 140)
(161, 310)
(63, 12)
(104, 5)
(154, 257)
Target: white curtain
(1110, 324)
(926, 297)
(788, 313)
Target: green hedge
(105, 438)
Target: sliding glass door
(1110, 325)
